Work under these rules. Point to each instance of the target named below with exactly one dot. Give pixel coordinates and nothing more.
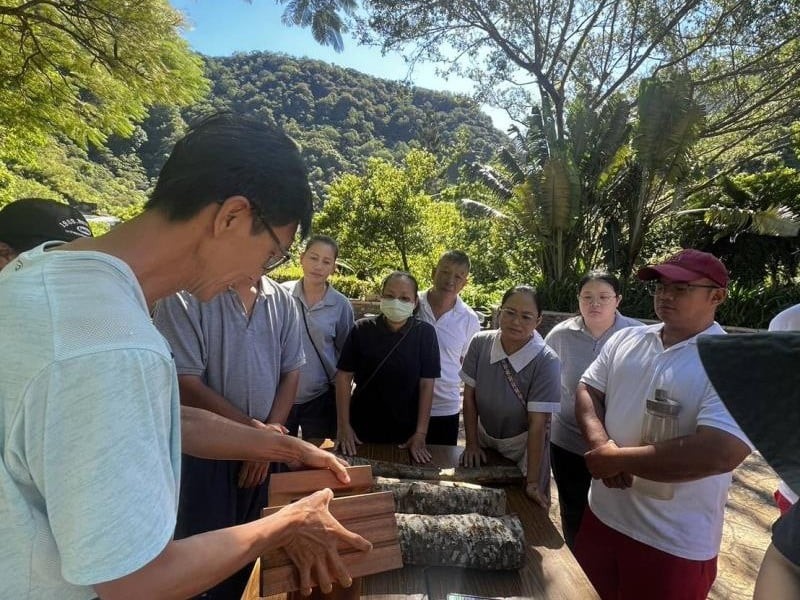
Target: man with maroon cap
(655, 516)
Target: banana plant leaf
(757, 377)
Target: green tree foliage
(85, 69)
(742, 56)
(340, 118)
(590, 197)
(322, 17)
(72, 74)
(744, 222)
(377, 218)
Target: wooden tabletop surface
(550, 570)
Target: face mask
(395, 310)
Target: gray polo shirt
(329, 322)
(577, 349)
(536, 370)
(239, 356)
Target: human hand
(621, 481)
(473, 456)
(416, 446)
(313, 539)
(346, 440)
(533, 492)
(253, 473)
(309, 455)
(602, 462)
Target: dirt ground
(749, 515)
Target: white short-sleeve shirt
(454, 330)
(630, 367)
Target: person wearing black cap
(90, 419)
(29, 222)
(654, 522)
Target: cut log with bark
(470, 541)
(484, 475)
(443, 497)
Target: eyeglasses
(600, 300)
(656, 288)
(275, 259)
(526, 318)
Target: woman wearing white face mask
(393, 359)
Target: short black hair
(457, 257)
(600, 275)
(524, 289)
(226, 155)
(400, 275)
(322, 239)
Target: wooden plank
(252, 590)
(285, 578)
(369, 515)
(288, 487)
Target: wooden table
(550, 570)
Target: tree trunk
(443, 497)
(485, 475)
(470, 541)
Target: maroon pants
(620, 568)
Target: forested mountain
(340, 117)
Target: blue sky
(220, 28)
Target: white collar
(522, 357)
(459, 307)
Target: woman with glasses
(578, 341)
(511, 387)
(393, 359)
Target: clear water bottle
(660, 424)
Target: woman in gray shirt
(578, 341)
(511, 386)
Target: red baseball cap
(688, 265)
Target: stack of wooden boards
(441, 523)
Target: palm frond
(474, 209)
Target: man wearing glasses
(237, 355)
(632, 542)
(91, 428)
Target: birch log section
(469, 541)
(443, 497)
(485, 475)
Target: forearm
(536, 429)
(344, 382)
(778, 578)
(589, 413)
(194, 393)
(284, 397)
(425, 404)
(189, 566)
(470, 416)
(208, 435)
(704, 453)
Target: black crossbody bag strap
(385, 358)
(311, 339)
